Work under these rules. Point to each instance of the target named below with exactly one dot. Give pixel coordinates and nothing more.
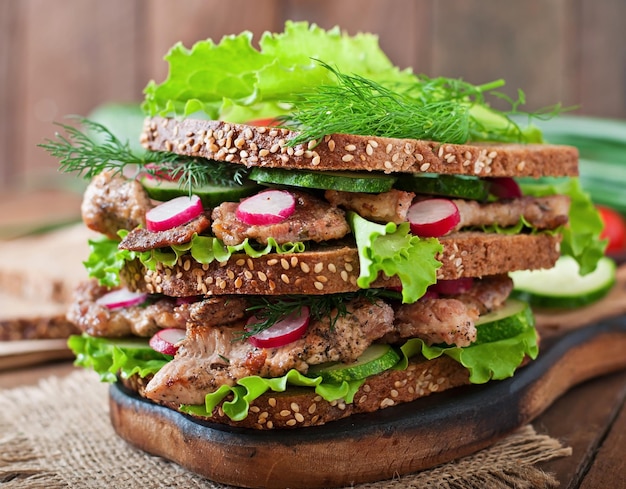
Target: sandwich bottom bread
(334, 309)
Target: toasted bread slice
(268, 147)
(336, 269)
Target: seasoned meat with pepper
(98, 320)
(542, 212)
(386, 207)
(211, 356)
(436, 321)
(313, 220)
(112, 203)
(141, 239)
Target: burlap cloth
(57, 435)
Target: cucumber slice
(506, 322)
(562, 287)
(376, 359)
(460, 186)
(326, 180)
(210, 195)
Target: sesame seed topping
(388, 148)
(272, 402)
(347, 158)
(425, 167)
(331, 145)
(369, 150)
(305, 267)
(318, 285)
(350, 147)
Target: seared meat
(211, 356)
(488, 293)
(98, 320)
(389, 206)
(436, 321)
(216, 311)
(313, 220)
(141, 239)
(542, 212)
(112, 203)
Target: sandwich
(313, 233)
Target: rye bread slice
(268, 147)
(336, 269)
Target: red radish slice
(173, 213)
(432, 218)
(268, 207)
(285, 331)
(267, 122)
(121, 298)
(157, 174)
(505, 188)
(167, 340)
(452, 287)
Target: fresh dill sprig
(82, 153)
(438, 109)
(269, 310)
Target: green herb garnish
(438, 109)
(87, 156)
(331, 307)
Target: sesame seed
(373, 143)
(395, 157)
(261, 130)
(272, 262)
(294, 407)
(386, 402)
(264, 152)
(311, 144)
(285, 412)
(348, 267)
(388, 148)
(270, 425)
(238, 283)
(274, 148)
(362, 399)
(331, 145)
(248, 274)
(291, 422)
(230, 157)
(272, 401)
(425, 167)
(344, 275)
(367, 388)
(347, 158)
(318, 285)
(262, 276)
(304, 267)
(419, 157)
(299, 418)
(294, 261)
(318, 267)
(284, 263)
(394, 393)
(369, 150)
(440, 152)
(492, 155)
(312, 408)
(284, 278)
(388, 164)
(350, 147)
(521, 165)
(315, 161)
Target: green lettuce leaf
(108, 356)
(581, 237)
(393, 250)
(495, 360)
(234, 81)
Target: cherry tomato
(614, 229)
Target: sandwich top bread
(272, 274)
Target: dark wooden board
(378, 446)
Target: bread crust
(267, 146)
(336, 269)
(301, 407)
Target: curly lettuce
(234, 81)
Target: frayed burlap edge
(57, 435)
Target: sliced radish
(285, 331)
(268, 207)
(122, 298)
(267, 122)
(432, 218)
(167, 340)
(157, 173)
(505, 188)
(452, 287)
(173, 213)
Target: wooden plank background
(68, 56)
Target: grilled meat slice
(313, 220)
(436, 321)
(212, 356)
(141, 239)
(488, 293)
(389, 206)
(98, 320)
(542, 212)
(112, 202)
(216, 311)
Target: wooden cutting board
(394, 441)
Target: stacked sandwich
(280, 273)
